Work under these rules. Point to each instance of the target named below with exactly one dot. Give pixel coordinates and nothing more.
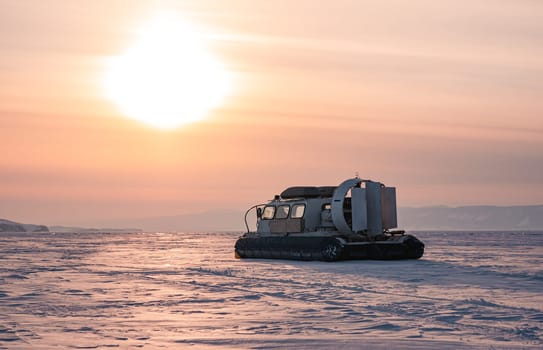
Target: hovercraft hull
(328, 248)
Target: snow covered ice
(480, 290)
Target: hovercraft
(347, 222)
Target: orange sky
(442, 99)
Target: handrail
(247, 212)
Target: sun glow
(168, 78)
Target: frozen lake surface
(186, 290)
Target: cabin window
(268, 213)
(297, 211)
(282, 212)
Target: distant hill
(529, 217)
(12, 226)
(218, 220)
(65, 229)
(512, 218)
(424, 218)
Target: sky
(442, 99)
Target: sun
(168, 78)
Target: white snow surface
(480, 290)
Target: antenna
(356, 175)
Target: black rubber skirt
(328, 248)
